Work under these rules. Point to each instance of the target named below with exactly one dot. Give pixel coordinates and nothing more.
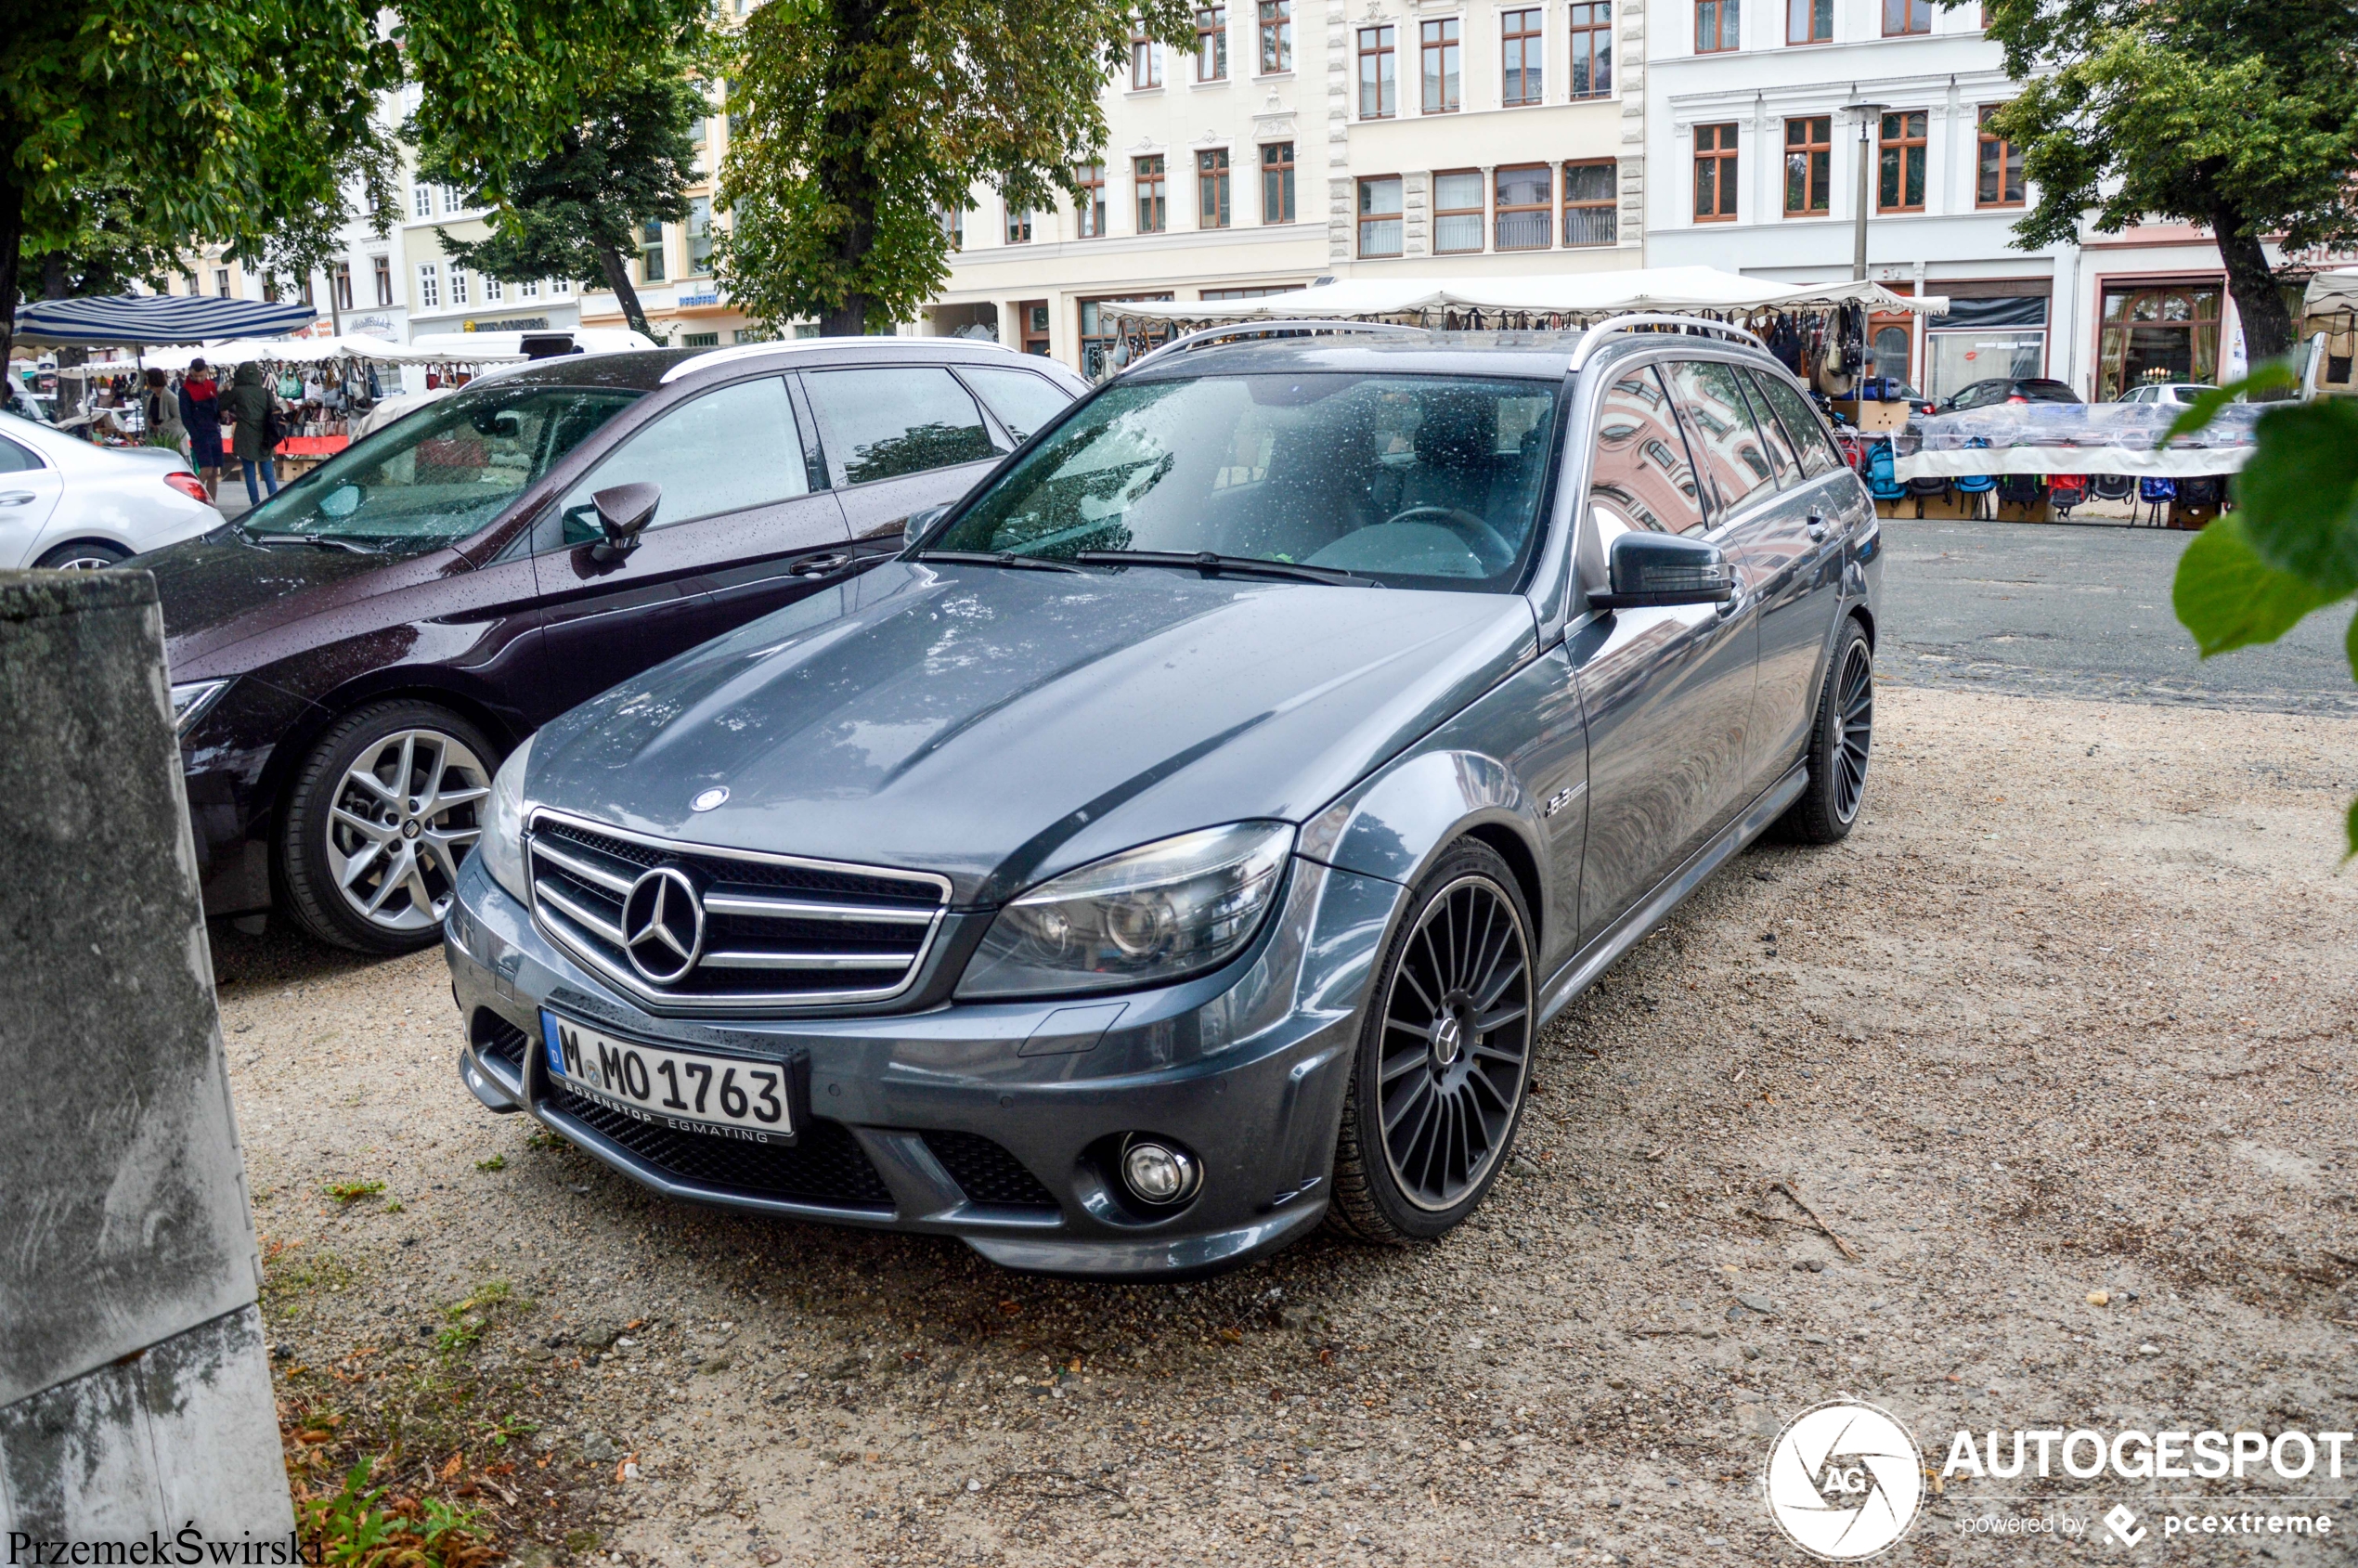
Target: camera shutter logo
(663, 925)
(1844, 1481)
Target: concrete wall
(135, 1389)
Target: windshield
(441, 473)
(1414, 481)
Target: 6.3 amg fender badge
(663, 925)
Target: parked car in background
(66, 503)
(2166, 395)
(2019, 389)
(351, 659)
(1190, 834)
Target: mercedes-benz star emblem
(663, 925)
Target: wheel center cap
(409, 828)
(1449, 1038)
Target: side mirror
(623, 513)
(913, 526)
(1655, 569)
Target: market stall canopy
(1674, 289)
(140, 320)
(2332, 291)
(313, 351)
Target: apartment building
(1751, 112)
(671, 264)
(1296, 140)
(441, 295)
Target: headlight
(189, 701)
(501, 845)
(1149, 914)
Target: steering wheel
(1489, 546)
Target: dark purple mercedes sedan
(351, 660)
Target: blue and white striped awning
(134, 320)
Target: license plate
(723, 1096)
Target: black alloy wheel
(1839, 741)
(1445, 1056)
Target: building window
(1457, 212)
(1441, 54)
(1718, 27)
(1032, 318)
(221, 281)
(651, 253)
(699, 236)
(1999, 184)
(490, 290)
(560, 288)
(1809, 151)
(1276, 182)
(2156, 333)
(458, 287)
(1526, 202)
(421, 200)
(1809, 21)
(1900, 188)
(1145, 58)
(1276, 37)
(529, 289)
(342, 283)
(269, 289)
(1211, 44)
(1018, 225)
(1592, 194)
(1379, 86)
(383, 267)
(1592, 49)
(1090, 210)
(1714, 174)
(1212, 189)
(1903, 17)
(1380, 215)
(1523, 50)
(1154, 206)
(428, 286)
(700, 340)
(953, 226)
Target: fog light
(1158, 1173)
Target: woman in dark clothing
(201, 412)
(252, 403)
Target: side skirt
(1581, 970)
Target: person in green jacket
(249, 401)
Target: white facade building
(1757, 168)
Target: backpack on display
(1976, 485)
(1880, 483)
(2203, 489)
(2017, 489)
(2065, 491)
(2156, 492)
(2114, 486)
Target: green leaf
(2266, 377)
(2228, 597)
(2351, 644)
(2297, 497)
(2354, 830)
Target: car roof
(1537, 354)
(644, 369)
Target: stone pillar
(134, 1385)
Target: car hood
(999, 726)
(220, 588)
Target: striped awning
(132, 320)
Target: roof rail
(1594, 337)
(1236, 330)
(868, 341)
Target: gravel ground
(2070, 1013)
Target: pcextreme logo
(1844, 1479)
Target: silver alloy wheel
(1855, 705)
(91, 563)
(404, 816)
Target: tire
(82, 555)
(367, 860)
(1840, 740)
(1454, 1099)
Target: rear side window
(1023, 402)
(15, 459)
(880, 424)
(1727, 447)
(727, 451)
(1802, 428)
(1641, 473)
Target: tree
(570, 211)
(247, 122)
(2290, 547)
(855, 122)
(2239, 115)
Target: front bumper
(937, 1121)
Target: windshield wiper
(996, 558)
(1237, 565)
(322, 540)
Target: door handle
(1816, 524)
(17, 498)
(818, 565)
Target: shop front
(1986, 336)
(2157, 329)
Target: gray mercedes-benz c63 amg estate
(1186, 837)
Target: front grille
(826, 1165)
(778, 930)
(988, 1174)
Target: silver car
(66, 503)
(1188, 835)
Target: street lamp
(1867, 113)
